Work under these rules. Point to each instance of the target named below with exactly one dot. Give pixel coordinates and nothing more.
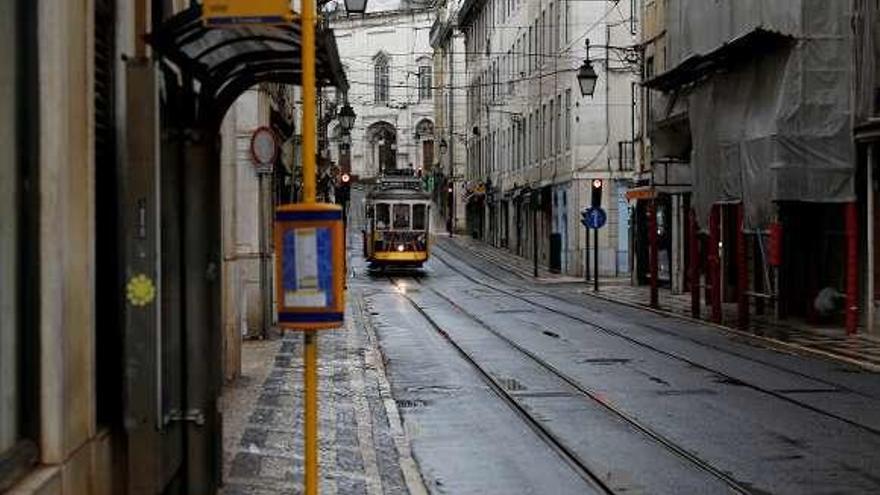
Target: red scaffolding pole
(652, 241)
(694, 268)
(852, 265)
(715, 262)
(742, 276)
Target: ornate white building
(388, 60)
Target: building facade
(535, 143)
(771, 179)
(664, 175)
(387, 56)
(111, 342)
(450, 113)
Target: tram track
(618, 334)
(552, 441)
(592, 396)
(838, 386)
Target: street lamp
(586, 76)
(356, 6)
(346, 118)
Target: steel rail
(572, 459)
(659, 438)
(838, 386)
(639, 343)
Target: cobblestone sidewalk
(362, 447)
(832, 342)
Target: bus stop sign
(224, 13)
(310, 267)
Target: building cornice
(339, 17)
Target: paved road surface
(510, 388)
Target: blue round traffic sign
(594, 218)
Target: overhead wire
(540, 73)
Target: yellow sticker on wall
(140, 291)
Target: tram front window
(420, 217)
(401, 217)
(383, 216)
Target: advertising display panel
(310, 281)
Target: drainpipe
(869, 224)
(652, 257)
(852, 278)
(451, 126)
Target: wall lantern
(356, 6)
(346, 117)
(586, 76)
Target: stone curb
(767, 341)
(772, 343)
(375, 360)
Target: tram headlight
(400, 247)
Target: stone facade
(530, 129)
(388, 60)
(451, 143)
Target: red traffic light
(596, 194)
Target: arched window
(425, 78)
(381, 78)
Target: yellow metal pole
(311, 412)
(309, 132)
(309, 125)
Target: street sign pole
(593, 218)
(587, 254)
(596, 260)
(264, 151)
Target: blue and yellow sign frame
(310, 266)
(219, 13)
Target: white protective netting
(777, 127)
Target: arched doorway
(425, 138)
(382, 137)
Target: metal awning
(227, 61)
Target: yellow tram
(397, 230)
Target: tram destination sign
(229, 13)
